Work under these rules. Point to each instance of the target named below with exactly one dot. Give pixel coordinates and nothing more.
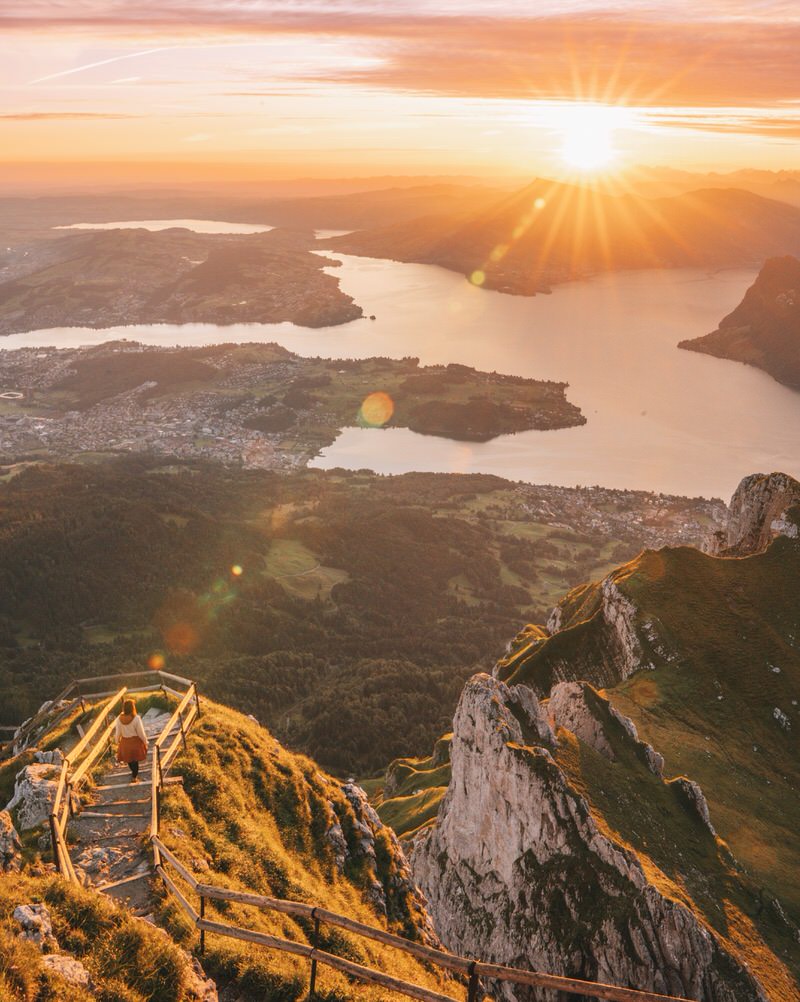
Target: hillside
(249, 815)
(632, 768)
(764, 329)
(550, 232)
(176, 276)
(362, 599)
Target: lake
(658, 418)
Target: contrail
(101, 62)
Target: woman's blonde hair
(129, 707)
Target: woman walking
(131, 739)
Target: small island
(764, 329)
(259, 406)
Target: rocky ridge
(518, 867)
(760, 510)
(560, 843)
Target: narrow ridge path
(108, 838)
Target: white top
(135, 729)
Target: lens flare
(376, 410)
(156, 661)
(181, 638)
(478, 277)
(237, 570)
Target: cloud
(724, 53)
(54, 116)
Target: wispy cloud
(723, 53)
(55, 116)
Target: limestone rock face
(353, 837)
(516, 870)
(34, 793)
(10, 844)
(759, 511)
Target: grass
(253, 816)
(679, 854)
(128, 959)
(418, 786)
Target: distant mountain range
(764, 329)
(550, 232)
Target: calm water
(658, 418)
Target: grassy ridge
(253, 816)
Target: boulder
(68, 968)
(36, 926)
(34, 793)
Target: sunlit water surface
(658, 418)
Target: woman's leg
(134, 768)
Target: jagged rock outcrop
(10, 845)
(760, 510)
(517, 869)
(386, 883)
(579, 708)
(34, 793)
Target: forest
(342, 609)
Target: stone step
(101, 814)
(122, 786)
(124, 880)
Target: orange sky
(330, 88)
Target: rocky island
(764, 329)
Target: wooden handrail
(105, 709)
(175, 716)
(574, 985)
(449, 961)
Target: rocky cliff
(646, 833)
(528, 862)
(763, 507)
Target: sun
(587, 135)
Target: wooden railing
(70, 782)
(185, 715)
(471, 970)
(78, 690)
(84, 757)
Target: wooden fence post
(202, 931)
(54, 843)
(312, 986)
(472, 991)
